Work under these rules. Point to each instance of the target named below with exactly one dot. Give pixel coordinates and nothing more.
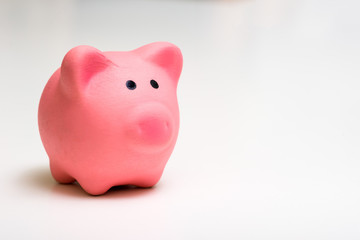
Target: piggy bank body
(111, 118)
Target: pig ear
(80, 64)
(164, 54)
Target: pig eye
(130, 84)
(154, 84)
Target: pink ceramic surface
(111, 118)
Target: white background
(270, 120)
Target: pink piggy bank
(111, 118)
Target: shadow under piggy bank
(41, 179)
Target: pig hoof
(59, 174)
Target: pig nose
(154, 130)
(150, 127)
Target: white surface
(269, 138)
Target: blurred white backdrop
(269, 137)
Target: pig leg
(148, 181)
(59, 174)
(93, 185)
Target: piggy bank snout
(152, 128)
